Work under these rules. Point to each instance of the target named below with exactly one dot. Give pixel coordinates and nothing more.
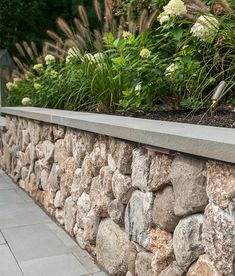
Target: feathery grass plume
(98, 39)
(64, 27)
(28, 50)
(81, 42)
(54, 48)
(69, 43)
(20, 49)
(34, 48)
(108, 16)
(39, 60)
(54, 36)
(81, 29)
(151, 19)
(196, 7)
(121, 27)
(129, 13)
(132, 27)
(143, 21)
(20, 65)
(83, 14)
(45, 48)
(224, 4)
(98, 10)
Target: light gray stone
(187, 240)
(57, 201)
(77, 187)
(83, 208)
(45, 150)
(138, 217)
(24, 173)
(70, 211)
(112, 247)
(60, 153)
(219, 237)
(188, 177)
(140, 169)
(163, 209)
(122, 188)
(116, 211)
(55, 177)
(34, 130)
(25, 139)
(44, 180)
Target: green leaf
(178, 33)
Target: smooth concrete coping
(2, 123)
(205, 141)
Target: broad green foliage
(176, 64)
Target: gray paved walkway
(31, 244)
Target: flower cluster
(38, 67)
(205, 28)
(26, 101)
(170, 70)
(49, 59)
(163, 17)
(126, 35)
(175, 8)
(14, 84)
(145, 53)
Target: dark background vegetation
(29, 19)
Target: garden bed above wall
(144, 197)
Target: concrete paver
(31, 244)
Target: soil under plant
(222, 117)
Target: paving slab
(33, 241)
(31, 244)
(8, 264)
(61, 265)
(12, 215)
(2, 240)
(10, 197)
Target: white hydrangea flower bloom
(38, 67)
(175, 8)
(205, 28)
(74, 51)
(145, 53)
(138, 87)
(17, 80)
(49, 59)
(26, 101)
(171, 69)
(10, 86)
(126, 34)
(163, 17)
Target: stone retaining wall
(139, 211)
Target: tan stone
(58, 132)
(140, 169)
(143, 264)
(220, 182)
(98, 156)
(99, 199)
(161, 245)
(60, 153)
(159, 171)
(86, 174)
(106, 175)
(202, 267)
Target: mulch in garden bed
(222, 117)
